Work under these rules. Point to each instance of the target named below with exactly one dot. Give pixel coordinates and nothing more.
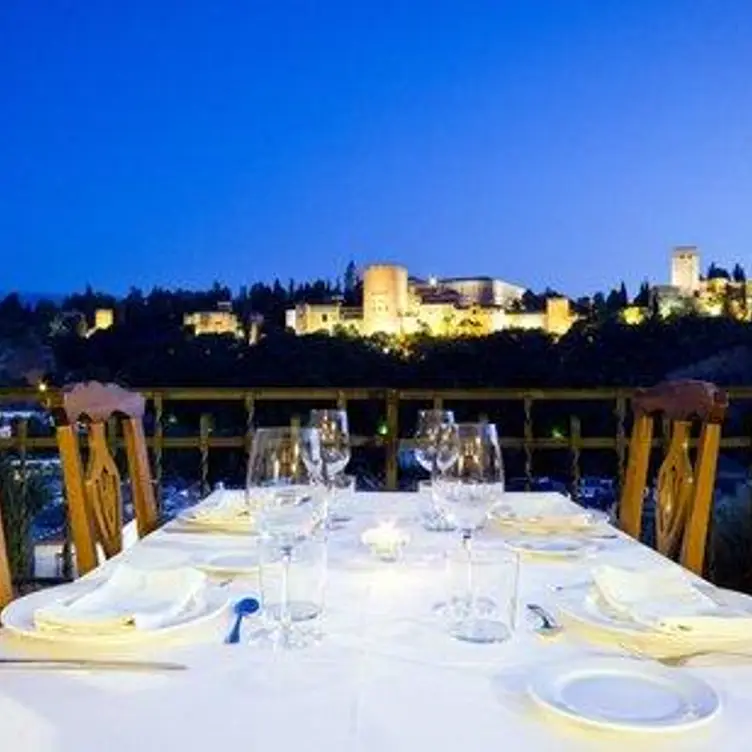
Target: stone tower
(685, 268)
(385, 298)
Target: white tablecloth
(386, 677)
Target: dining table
(386, 675)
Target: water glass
(292, 591)
(342, 501)
(482, 598)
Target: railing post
(528, 441)
(621, 439)
(204, 428)
(575, 446)
(341, 400)
(250, 411)
(23, 436)
(438, 402)
(158, 448)
(392, 438)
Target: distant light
(557, 433)
(383, 428)
(433, 281)
(42, 386)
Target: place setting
(114, 620)
(660, 613)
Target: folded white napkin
(665, 599)
(129, 599)
(543, 513)
(228, 509)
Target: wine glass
(436, 450)
(333, 456)
(474, 486)
(435, 446)
(289, 512)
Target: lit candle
(386, 541)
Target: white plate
(582, 603)
(230, 564)
(625, 695)
(558, 547)
(18, 617)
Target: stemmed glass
(289, 512)
(435, 442)
(334, 454)
(436, 450)
(475, 486)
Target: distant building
(104, 319)
(222, 321)
(690, 292)
(396, 304)
(713, 296)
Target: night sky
(557, 142)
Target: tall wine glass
(435, 441)
(334, 454)
(289, 511)
(475, 485)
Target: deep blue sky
(563, 142)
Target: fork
(683, 658)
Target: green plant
(22, 496)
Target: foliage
(21, 499)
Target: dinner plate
(18, 617)
(623, 694)
(557, 547)
(230, 564)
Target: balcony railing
(550, 432)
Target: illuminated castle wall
(397, 305)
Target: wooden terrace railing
(391, 432)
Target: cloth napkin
(664, 599)
(230, 509)
(130, 599)
(542, 513)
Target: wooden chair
(94, 496)
(6, 584)
(684, 493)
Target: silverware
(244, 607)
(549, 627)
(683, 658)
(88, 664)
(184, 528)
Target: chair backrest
(683, 491)
(94, 496)
(6, 584)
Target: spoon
(244, 607)
(548, 627)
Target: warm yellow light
(42, 386)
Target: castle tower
(685, 268)
(385, 298)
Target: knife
(86, 664)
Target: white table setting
(385, 674)
(308, 615)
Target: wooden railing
(387, 411)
